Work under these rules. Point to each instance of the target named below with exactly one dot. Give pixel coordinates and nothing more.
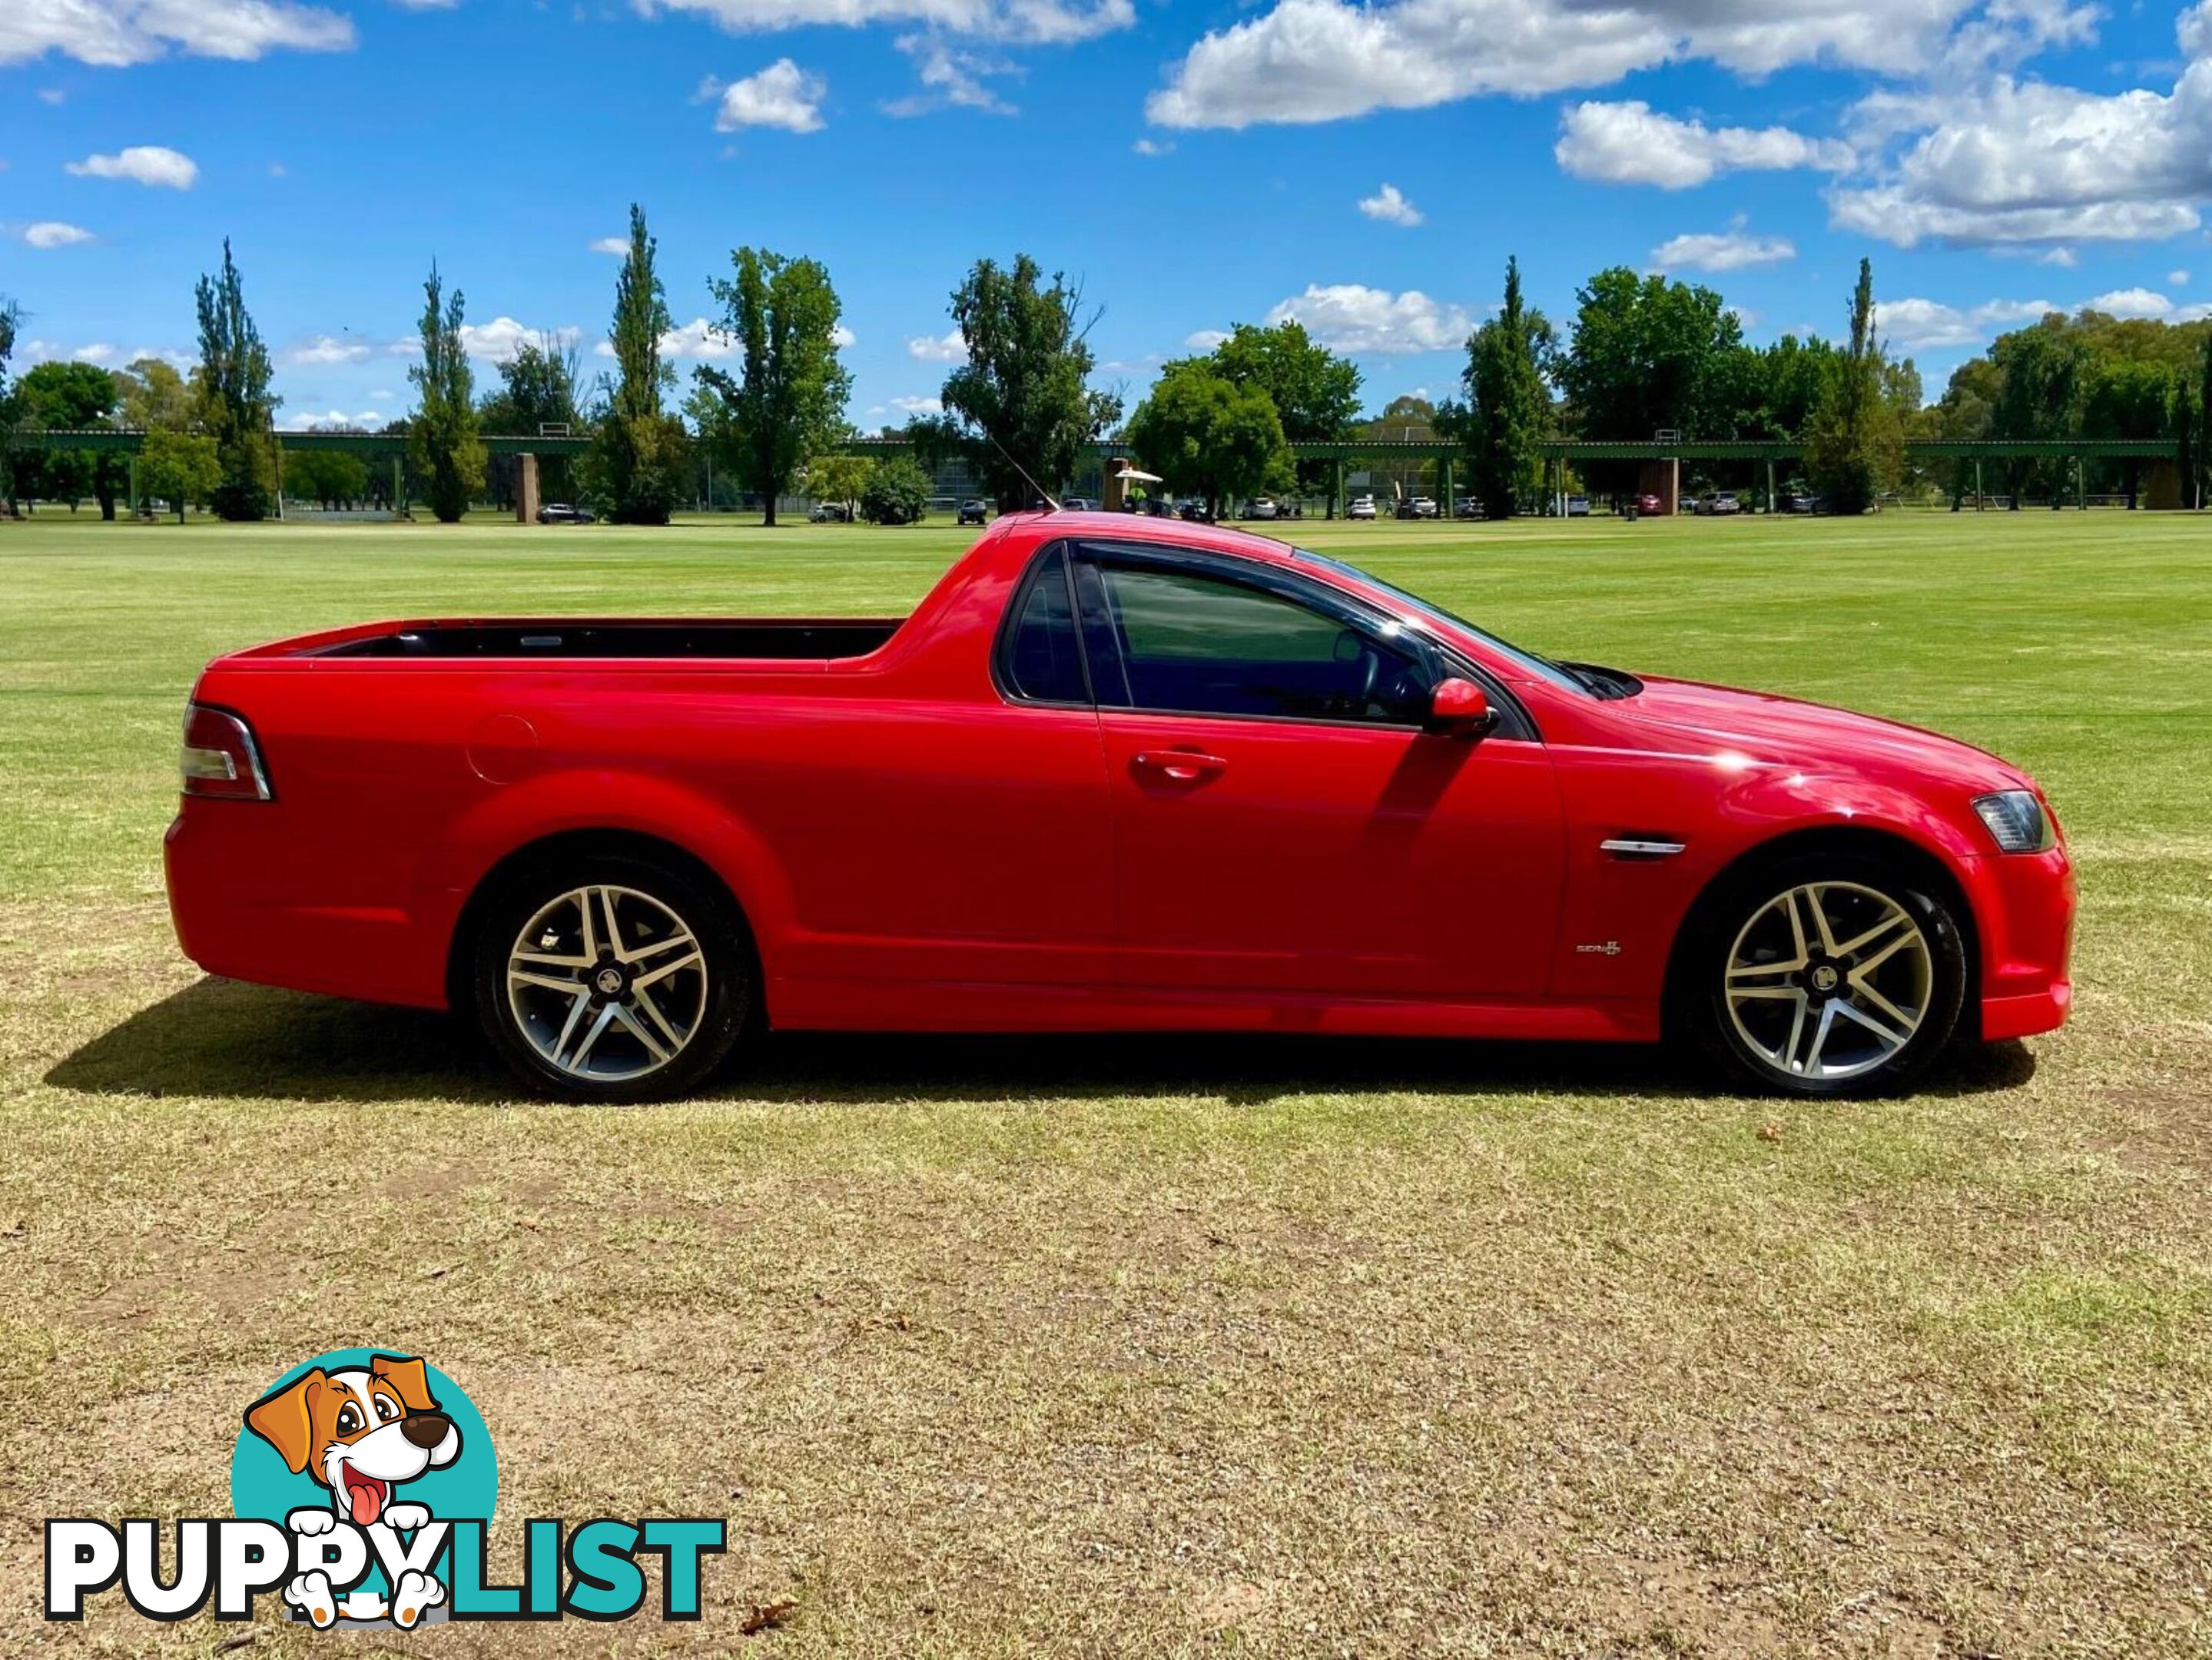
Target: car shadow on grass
(220, 1038)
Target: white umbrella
(1130, 475)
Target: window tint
(1045, 661)
(1198, 645)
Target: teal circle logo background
(463, 1490)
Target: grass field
(1078, 1347)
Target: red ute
(1114, 773)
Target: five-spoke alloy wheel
(612, 979)
(1827, 976)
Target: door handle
(1183, 766)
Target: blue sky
(1195, 163)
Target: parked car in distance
(1113, 774)
(1468, 507)
(1193, 510)
(974, 511)
(1417, 507)
(1650, 504)
(831, 512)
(564, 513)
(1578, 507)
(1360, 507)
(1718, 503)
(1263, 507)
(1078, 504)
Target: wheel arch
(585, 841)
(1865, 841)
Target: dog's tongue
(367, 1498)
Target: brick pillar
(1664, 480)
(525, 489)
(1113, 493)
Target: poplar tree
(442, 439)
(236, 407)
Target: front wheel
(1827, 975)
(613, 978)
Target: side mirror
(1458, 708)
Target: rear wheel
(1827, 975)
(613, 978)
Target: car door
(1282, 822)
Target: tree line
(1644, 353)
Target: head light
(2016, 821)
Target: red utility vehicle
(1114, 773)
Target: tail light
(220, 760)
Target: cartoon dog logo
(361, 1431)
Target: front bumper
(2024, 908)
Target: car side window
(1195, 644)
(1043, 659)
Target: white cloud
(98, 352)
(948, 347)
(843, 338)
(2131, 302)
(1203, 339)
(781, 95)
(2002, 159)
(1390, 205)
(618, 246)
(1154, 146)
(918, 406)
(53, 233)
(952, 78)
(2179, 279)
(114, 33)
(1032, 21)
(328, 349)
(53, 95)
(1631, 144)
(2063, 258)
(1733, 250)
(1919, 323)
(1322, 60)
(695, 340)
(497, 341)
(1350, 317)
(144, 164)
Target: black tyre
(1826, 975)
(612, 977)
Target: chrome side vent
(1642, 847)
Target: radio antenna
(1042, 494)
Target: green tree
(155, 397)
(442, 436)
(787, 399)
(639, 454)
(896, 492)
(2129, 400)
(236, 407)
(1855, 449)
(537, 390)
(11, 320)
(2044, 371)
(75, 395)
(1316, 392)
(1021, 408)
(180, 467)
(1204, 433)
(1644, 356)
(1508, 414)
(330, 477)
(2196, 461)
(839, 479)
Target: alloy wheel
(607, 983)
(1829, 981)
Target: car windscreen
(1541, 667)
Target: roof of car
(1144, 527)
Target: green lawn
(991, 1346)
